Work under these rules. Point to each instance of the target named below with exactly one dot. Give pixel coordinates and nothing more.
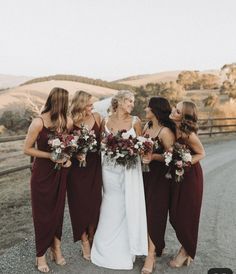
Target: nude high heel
(180, 260)
(43, 267)
(149, 270)
(59, 260)
(85, 250)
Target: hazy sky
(110, 39)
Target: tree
(189, 79)
(229, 85)
(230, 71)
(211, 101)
(209, 81)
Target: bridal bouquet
(86, 141)
(177, 158)
(145, 145)
(120, 149)
(62, 147)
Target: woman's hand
(81, 157)
(147, 158)
(59, 161)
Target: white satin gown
(122, 229)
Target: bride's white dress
(122, 229)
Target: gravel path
(217, 235)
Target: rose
(56, 142)
(187, 157)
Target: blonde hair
(119, 98)
(57, 106)
(78, 104)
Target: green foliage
(81, 79)
(170, 90)
(209, 81)
(16, 121)
(189, 80)
(229, 85)
(192, 80)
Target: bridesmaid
(85, 183)
(187, 195)
(48, 185)
(157, 187)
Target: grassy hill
(19, 97)
(142, 80)
(80, 79)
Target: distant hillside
(8, 81)
(142, 80)
(18, 98)
(80, 79)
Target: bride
(122, 229)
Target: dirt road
(217, 235)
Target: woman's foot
(56, 255)
(90, 241)
(41, 264)
(181, 259)
(149, 265)
(86, 250)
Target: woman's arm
(195, 144)
(32, 135)
(138, 127)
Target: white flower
(125, 135)
(86, 137)
(119, 155)
(58, 150)
(56, 142)
(187, 157)
(168, 157)
(179, 172)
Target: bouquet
(62, 147)
(145, 146)
(86, 141)
(177, 158)
(121, 149)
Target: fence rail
(211, 126)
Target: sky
(112, 39)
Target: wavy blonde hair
(78, 105)
(119, 98)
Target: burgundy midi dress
(48, 192)
(84, 191)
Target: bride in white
(122, 229)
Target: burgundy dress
(186, 206)
(48, 191)
(84, 191)
(157, 194)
